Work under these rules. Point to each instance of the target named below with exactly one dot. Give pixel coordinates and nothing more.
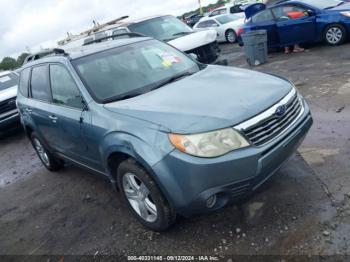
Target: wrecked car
(175, 136)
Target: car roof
(128, 22)
(78, 52)
(81, 51)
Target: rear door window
(24, 82)
(264, 16)
(64, 89)
(39, 84)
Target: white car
(228, 27)
(227, 9)
(236, 7)
(166, 28)
(8, 93)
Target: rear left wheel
(231, 36)
(143, 197)
(50, 161)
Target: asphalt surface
(302, 210)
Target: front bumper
(9, 118)
(189, 181)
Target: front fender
(147, 150)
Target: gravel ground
(303, 210)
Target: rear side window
(24, 82)
(64, 90)
(40, 83)
(263, 16)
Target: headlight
(345, 13)
(211, 144)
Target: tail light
(240, 31)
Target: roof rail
(112, 37)
(43, 53)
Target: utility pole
(200, 7)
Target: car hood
(8, 93)
(194, 40)
(343, 7)
(215, 97)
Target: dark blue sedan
(305, 21)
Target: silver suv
(8, 93)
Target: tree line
(10, 63)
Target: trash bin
(255, 47)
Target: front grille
(272, 126)
(7, 105)
(206, 54)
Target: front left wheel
(334, 34)
(143, 197)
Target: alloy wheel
(231, 37)
(334, 35)
(41, 152)
(139, 197)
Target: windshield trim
(147, 88)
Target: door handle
(53, 118)
(29, 110)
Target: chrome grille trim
(266, 126)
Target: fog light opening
(211, 201)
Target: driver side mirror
(193, 56)
(310, 12)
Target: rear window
(40, 83)
(7, 81)
(24, 82)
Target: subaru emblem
(281, 110)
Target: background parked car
(166, 28)
(227, 9)
(228, 26)
(8, 94)
(305, 21)
(193, 19)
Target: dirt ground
(303, 210)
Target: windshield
(227, 18)
(323, 4)
(7, 81)
(132, 70)
(164, 28)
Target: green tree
(8, 63)
(21, 58)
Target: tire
(50, 161)
(334, 34)
(143, 197)
(231, 36)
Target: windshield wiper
(182, 33)
(122, 97)
(172, 79)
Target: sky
(28, 25)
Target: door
(265, 20)
(69, 115)
(295, 24)
(39, 105)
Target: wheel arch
(118, 147)
(325, 26)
